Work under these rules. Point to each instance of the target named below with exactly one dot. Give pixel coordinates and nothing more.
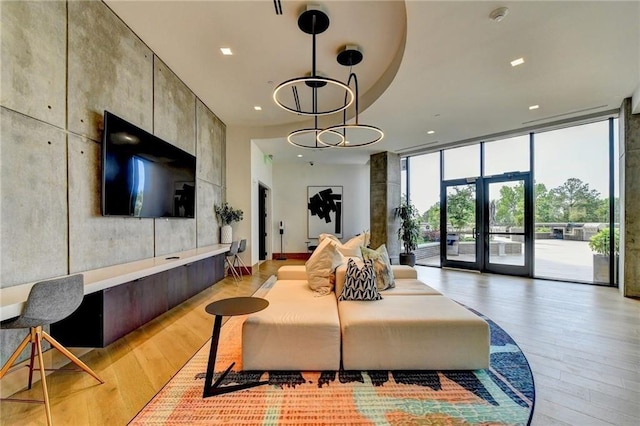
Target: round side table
(229, 307)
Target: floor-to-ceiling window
(544, 204)
(615, 176)
(424, 173)
(572, 202)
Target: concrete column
(629, 200)
(385, 197)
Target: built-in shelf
(12, 298)
(109, 314)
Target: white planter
(601, 268)
(226, 234)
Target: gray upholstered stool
(237, 260)
(48, 302)
(233, 251)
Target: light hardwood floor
(583, 344)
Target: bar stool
(48, 302)
(237, 260)
(233, 251)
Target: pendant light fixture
(317, 95)
(350, 135)
(308, 138)
(320, 91)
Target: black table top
(236, 306)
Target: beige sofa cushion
(321, 265)
(297, 331)
(292, 272)
(404, 271)
(412, 333)
(408, 287)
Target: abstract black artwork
(324, 208)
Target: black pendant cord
(353, 76)
(315, 127)
(314, 89)
(355, 80)
(313, 46)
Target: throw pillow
(382, 266)
(360, 283)
(321, 238)
(352, 247)
(322, 263)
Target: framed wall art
(324, 211)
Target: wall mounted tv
(144, 176)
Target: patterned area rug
(500, 395)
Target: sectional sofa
(413, 327)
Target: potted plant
(226, 216)
(600, 244)
(409, 231)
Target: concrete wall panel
(210, 145)
(219, 152)
(208, 228)
(96, 241)
(50, 218)
(223, 162)
(33, 39)
(33, 211)
(109, 68)
(174, 109)
(174, 235)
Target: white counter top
(12, 298)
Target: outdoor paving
(558, 259)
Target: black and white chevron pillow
(360, 284)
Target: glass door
(507, 227)
(460, 246)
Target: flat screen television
(144, 176)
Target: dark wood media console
(109, 314)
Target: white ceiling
(452, 74)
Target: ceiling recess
(499, 14)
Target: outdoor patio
(557, 259)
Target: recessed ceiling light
(226, 51)
(534, 107)
(517, 62)
(257, 108)
(430, 132)
(498, 14)
(299, 155)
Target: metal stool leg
(234, 273)
(241, 264)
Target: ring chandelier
(312, 21)
(287, 95)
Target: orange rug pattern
(500, 395)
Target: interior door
(460, 216)
(507, 228)
(262, 222)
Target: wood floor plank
(582, 342)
